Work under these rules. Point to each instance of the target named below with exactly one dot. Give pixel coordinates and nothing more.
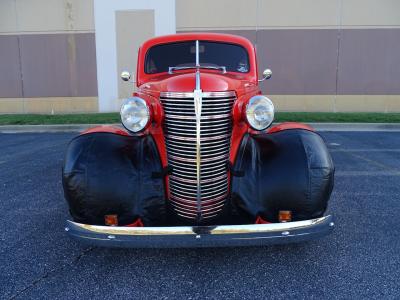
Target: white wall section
(106, 46)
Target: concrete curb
(46, 128)
(395, 127)
(392, 127)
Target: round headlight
(260, 112)
(134, 114)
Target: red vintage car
(197, 163)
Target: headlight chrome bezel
(130, 103)
(259, 100)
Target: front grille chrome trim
(205, 202)
(198, 128)
(172, 177)
(196, 160)
(186, 170)
(217, 137)
(212, 117)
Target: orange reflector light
(111, 220)
(285, 216)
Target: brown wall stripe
(369, 62)
(10, 73)
(48, 65)
(303, 61)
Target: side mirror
(125, 75)
(267, 74)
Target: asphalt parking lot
(361, 259)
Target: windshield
(183, 54)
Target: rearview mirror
(266, 75)
(125, 75)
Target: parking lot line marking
(372, 162)
(365, 150)
(367, 173)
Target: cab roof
(217, 37)
(201, 36)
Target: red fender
(289, 125)
(107, 128)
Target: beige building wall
(339, 103)
(46, 16)
(64, 28)
(48, 105)
(314, 48)
(340, 55)
(284, 14)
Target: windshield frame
(194, 62)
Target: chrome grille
(215, 134)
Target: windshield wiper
(222, 68)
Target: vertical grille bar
(197, 109)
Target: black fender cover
(286, 170)
(106, 173)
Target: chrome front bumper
(201, 236)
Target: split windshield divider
(197, 66)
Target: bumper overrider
(201, 236)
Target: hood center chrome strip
(198, 99)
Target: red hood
(210, 82)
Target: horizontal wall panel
(225, 14)
(369, 61)
(56, 65)
(370, 13)
(214, 14)
(8, 16)
(367, 103)
(299, 103)
(303, 61)
(50, 105)
(304, 13)
(248, 34)
(295, 103)
(10, 75)
(55, 15)
(337, 103)
(269, 14)
(45, 65)
(11, 106)
(21, 16)
(86, 69)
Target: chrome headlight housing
(134, 114)
(259, 112)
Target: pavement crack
(48, 273)
(83, 253)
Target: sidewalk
(394, 127)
